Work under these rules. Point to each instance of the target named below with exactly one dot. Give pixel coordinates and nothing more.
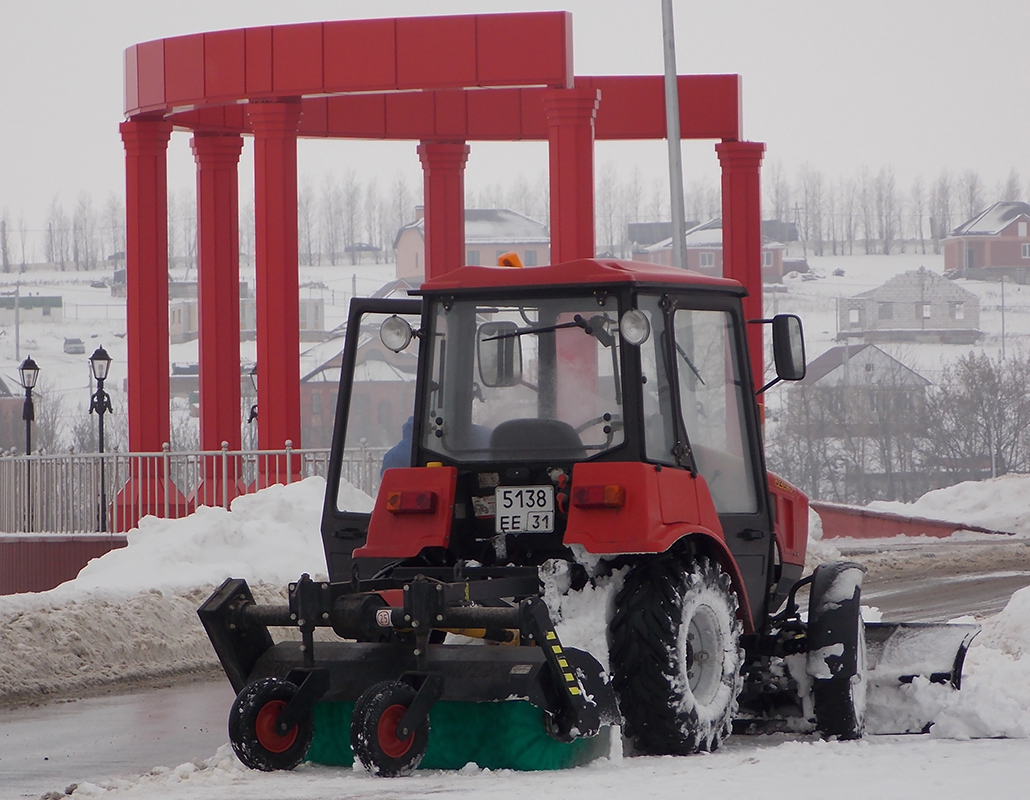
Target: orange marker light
(411, 502)
(509, 260)
(609, 496)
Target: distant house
(31, 308)
(864, 409)
(704, 252)
(184, 318)
(489, 232)
(916, 306)
(12, 427)
(384, 384)
(992, 245)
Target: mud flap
(914, 669)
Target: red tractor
(598, 414)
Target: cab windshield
(532, 380)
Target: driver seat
(529, 439)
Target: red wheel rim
(391, 744)
(264, 727)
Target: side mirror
(788, 347)
(499, 352)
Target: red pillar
(146, 279)
(146, 309)
(742, 234)
(277, 290)
(218, 296)
(443, 180)
(570, 137)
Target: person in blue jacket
(400, 454)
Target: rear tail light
(411, 502)
(609, 496)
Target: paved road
(46, 748)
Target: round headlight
(634, 326)
(395, 333)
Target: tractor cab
(513, 382)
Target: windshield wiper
(686, 358)
(594, 327)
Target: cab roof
(582, 272)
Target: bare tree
(85, 236)
(971, 194)
(306, 222)
(1010, 191)
(810, 190)
(917, 203)
(351, 209)
(331, 233)
(113, 227)
(56, 243)
(866, 204)
(606, 194)
(940, 210)
(5, 260)
(373, 216)
(886, 202)
(247, 225)
(778, 192)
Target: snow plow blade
(900, 652)
(913, 672)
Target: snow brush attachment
(395, 700)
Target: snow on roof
(489, 225)
(993, 220)
(833, 358)
(931, 281)
(707, 234)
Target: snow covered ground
(131, 615)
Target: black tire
(252, 727)
(675, 655)
(373, 731)
(836, 660)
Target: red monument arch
(440, 81)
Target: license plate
(524, 509)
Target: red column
(443, 180)
(742, 234)
(146, 308)
(218, 273)
(146, 279)
(570, 137)
(277, 290)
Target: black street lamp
(100, 402)
(29, 372)
(253, 408)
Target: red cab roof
(585, 271)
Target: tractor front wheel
(373, 733)
(836, 649)
(675, 655)
(252, 730)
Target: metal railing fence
(110, 492)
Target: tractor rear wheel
(252, 731)
(675, 655)
(373, 732)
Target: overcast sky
(916, 84)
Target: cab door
(374, 407)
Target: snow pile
(132, 614)
(998, 504)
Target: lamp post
(29, 372)
(253, 409)
(100, 402)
